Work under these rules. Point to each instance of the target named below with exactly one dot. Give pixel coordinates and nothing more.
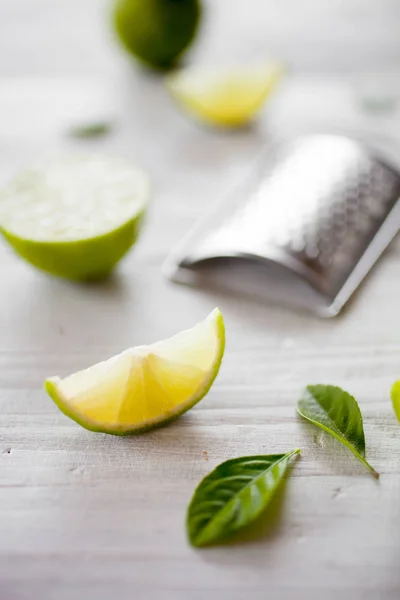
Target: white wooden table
(88, 516)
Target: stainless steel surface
(321, 208)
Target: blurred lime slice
(224, 98)
(75, 217)
(396, 399)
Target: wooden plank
(86, 515)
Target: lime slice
(224, 98)
(146, 386)
(396, 399)
(75, 217)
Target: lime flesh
(224, 98)
(75, 217)
(146, 386)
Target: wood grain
(89, 516)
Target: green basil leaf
(396, 399)
(338, 413)
(90, 130)
(233, 495)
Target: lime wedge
(396, 399)
(75, 217)
(146, 386)
(224, 98)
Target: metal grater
(304, 228)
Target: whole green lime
(157, 32)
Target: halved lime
(145, 386)
(75, 217)
(227, 98)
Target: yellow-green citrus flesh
(224, 97)
(146, 386)
(75, 217)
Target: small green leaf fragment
(90, 130)
(234, 495)
(396, 399)
(338, 413)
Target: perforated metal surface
(322, 201)
(314, 206)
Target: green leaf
(233, 495)
(90, 130)
(338, 413)
(396, 399)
